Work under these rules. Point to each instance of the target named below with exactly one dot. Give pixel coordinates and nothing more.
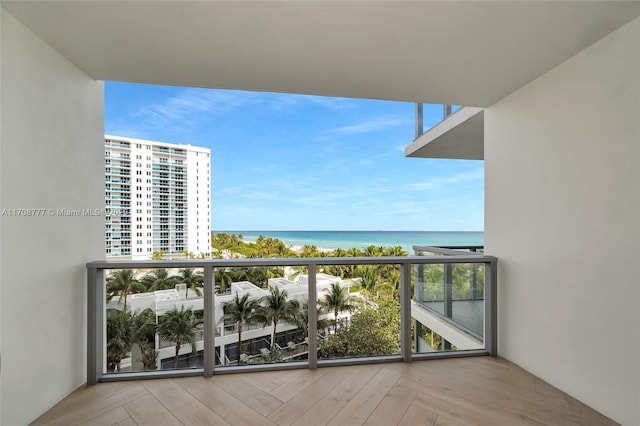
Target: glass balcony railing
(428, 116)
(286, 313)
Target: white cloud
(474, 175)
(372, 125)
(194, 101)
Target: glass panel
(153, 319)
(447, 309)
(360, 312)
(432, 114)
(260, 315)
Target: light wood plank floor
(464, 391)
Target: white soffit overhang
(454, 52)
(459, 136)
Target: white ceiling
(469, 53)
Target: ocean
(362, 239)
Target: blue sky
(296, 162)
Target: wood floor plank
(227, 406)
(309, 395)
(504, 398)
(393, 407)
(242, 388)
(290, 388)
(78, 412)
(83, 396)
(418, 414)
(127, 422)
(268, 381)
(188, 409)
(148, 411)
(445, 421)
(108, 418)
(360, 407)
(438, 405)
(331, 404)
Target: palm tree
(123, 282)
(368, 275)
(321, 324)
(242, 310)
(395, 251)
(159, 279)
(276, 307)
(223, 279)
(191, 279)
(123, 330)
(373, 251)
(145, 332)
(119, 338)
(337, 299)
(179, 326)
(311, 251)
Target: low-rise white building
(226, 335)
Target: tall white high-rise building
(157, 198)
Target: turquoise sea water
(361, 239)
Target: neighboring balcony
(449, 299)
(459, 135)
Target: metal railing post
(209, 317)
(312, 327)
(405, 311)
(95, 325)
(419, 120)
(446, 111)
(473, 278)
(490, 307)
(448, 290)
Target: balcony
(459, 134)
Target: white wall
(51, 157)
(562, 164)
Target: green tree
(369, 277)
(159, 279)
(391, 287)
(337, 300)
(321, 323)
(395, 251)
(277, 307)
(191, 279)
(371, 331)
(179, 326)
(223, 279)
(311, 251)
(242, 310)
(123, 330)
(119, 338)
(123, 282)
(157, 255)
(144, 335)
